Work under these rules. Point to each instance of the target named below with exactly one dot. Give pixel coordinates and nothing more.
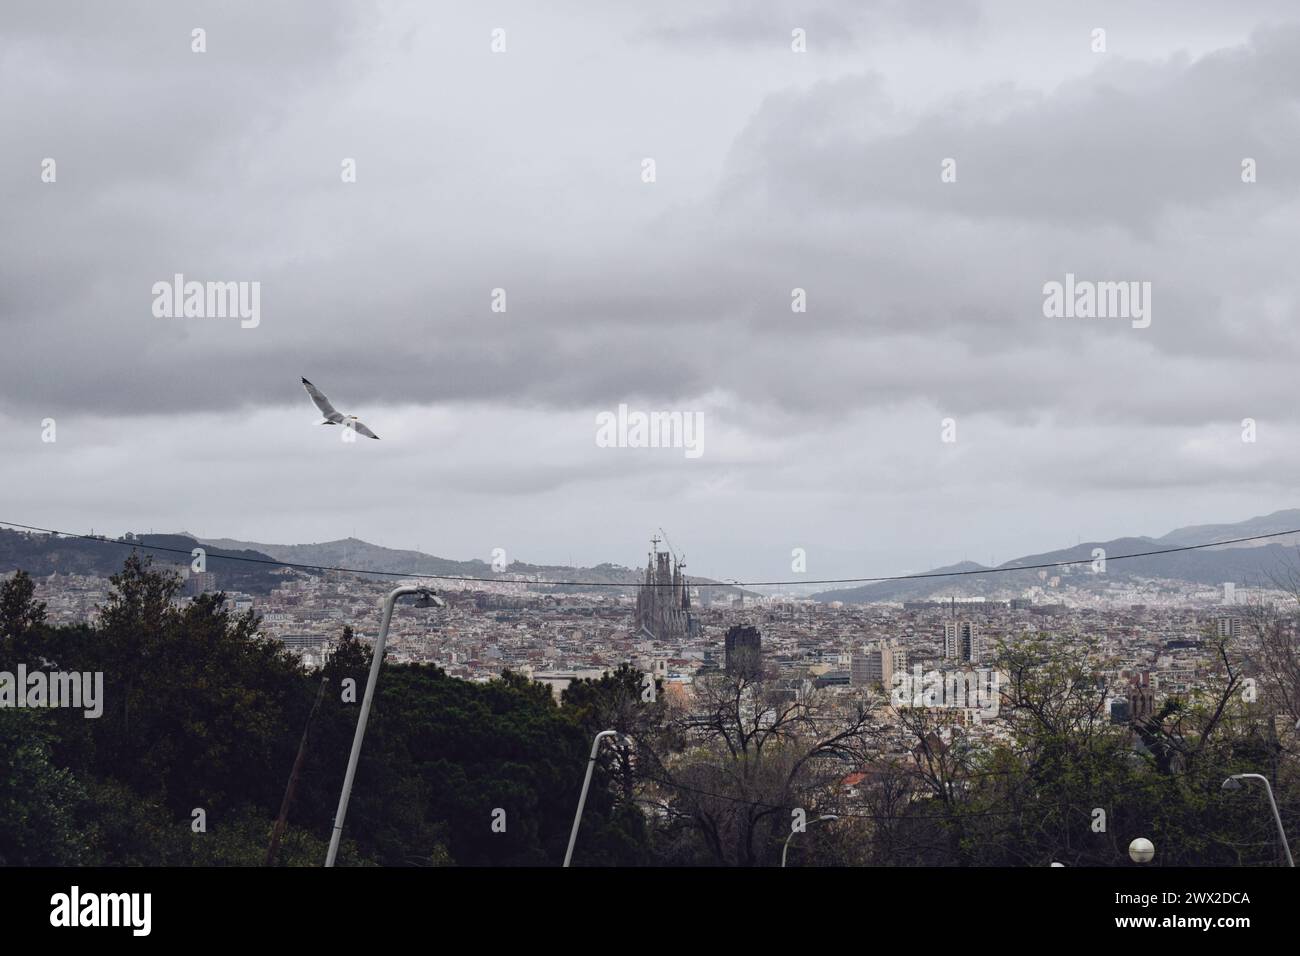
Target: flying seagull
(332, 415)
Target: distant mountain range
(1246, 564)
(364, 556)
(43, 554)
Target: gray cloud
(775, 171)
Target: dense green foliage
(201, 713)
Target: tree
(198, 702)
(759, 754)
(38, 826)
(618, 701)
(22, 618)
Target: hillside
(1252, 564)
(42, 554)
(355, 553)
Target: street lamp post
(1234, 783)
(586, 782)
(786, 847)
(427, 599)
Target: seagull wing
(323, 403)
(362, 429)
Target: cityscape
(1145, 641)
(1161, 635)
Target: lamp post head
(1141, 850)
(429, 598)
(1232, 783)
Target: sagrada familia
(663, 605)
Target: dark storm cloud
(828, 188)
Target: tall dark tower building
(744, 646)
(663, 605)
(1142, 697)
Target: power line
(642, 584)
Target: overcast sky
(774, 170)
